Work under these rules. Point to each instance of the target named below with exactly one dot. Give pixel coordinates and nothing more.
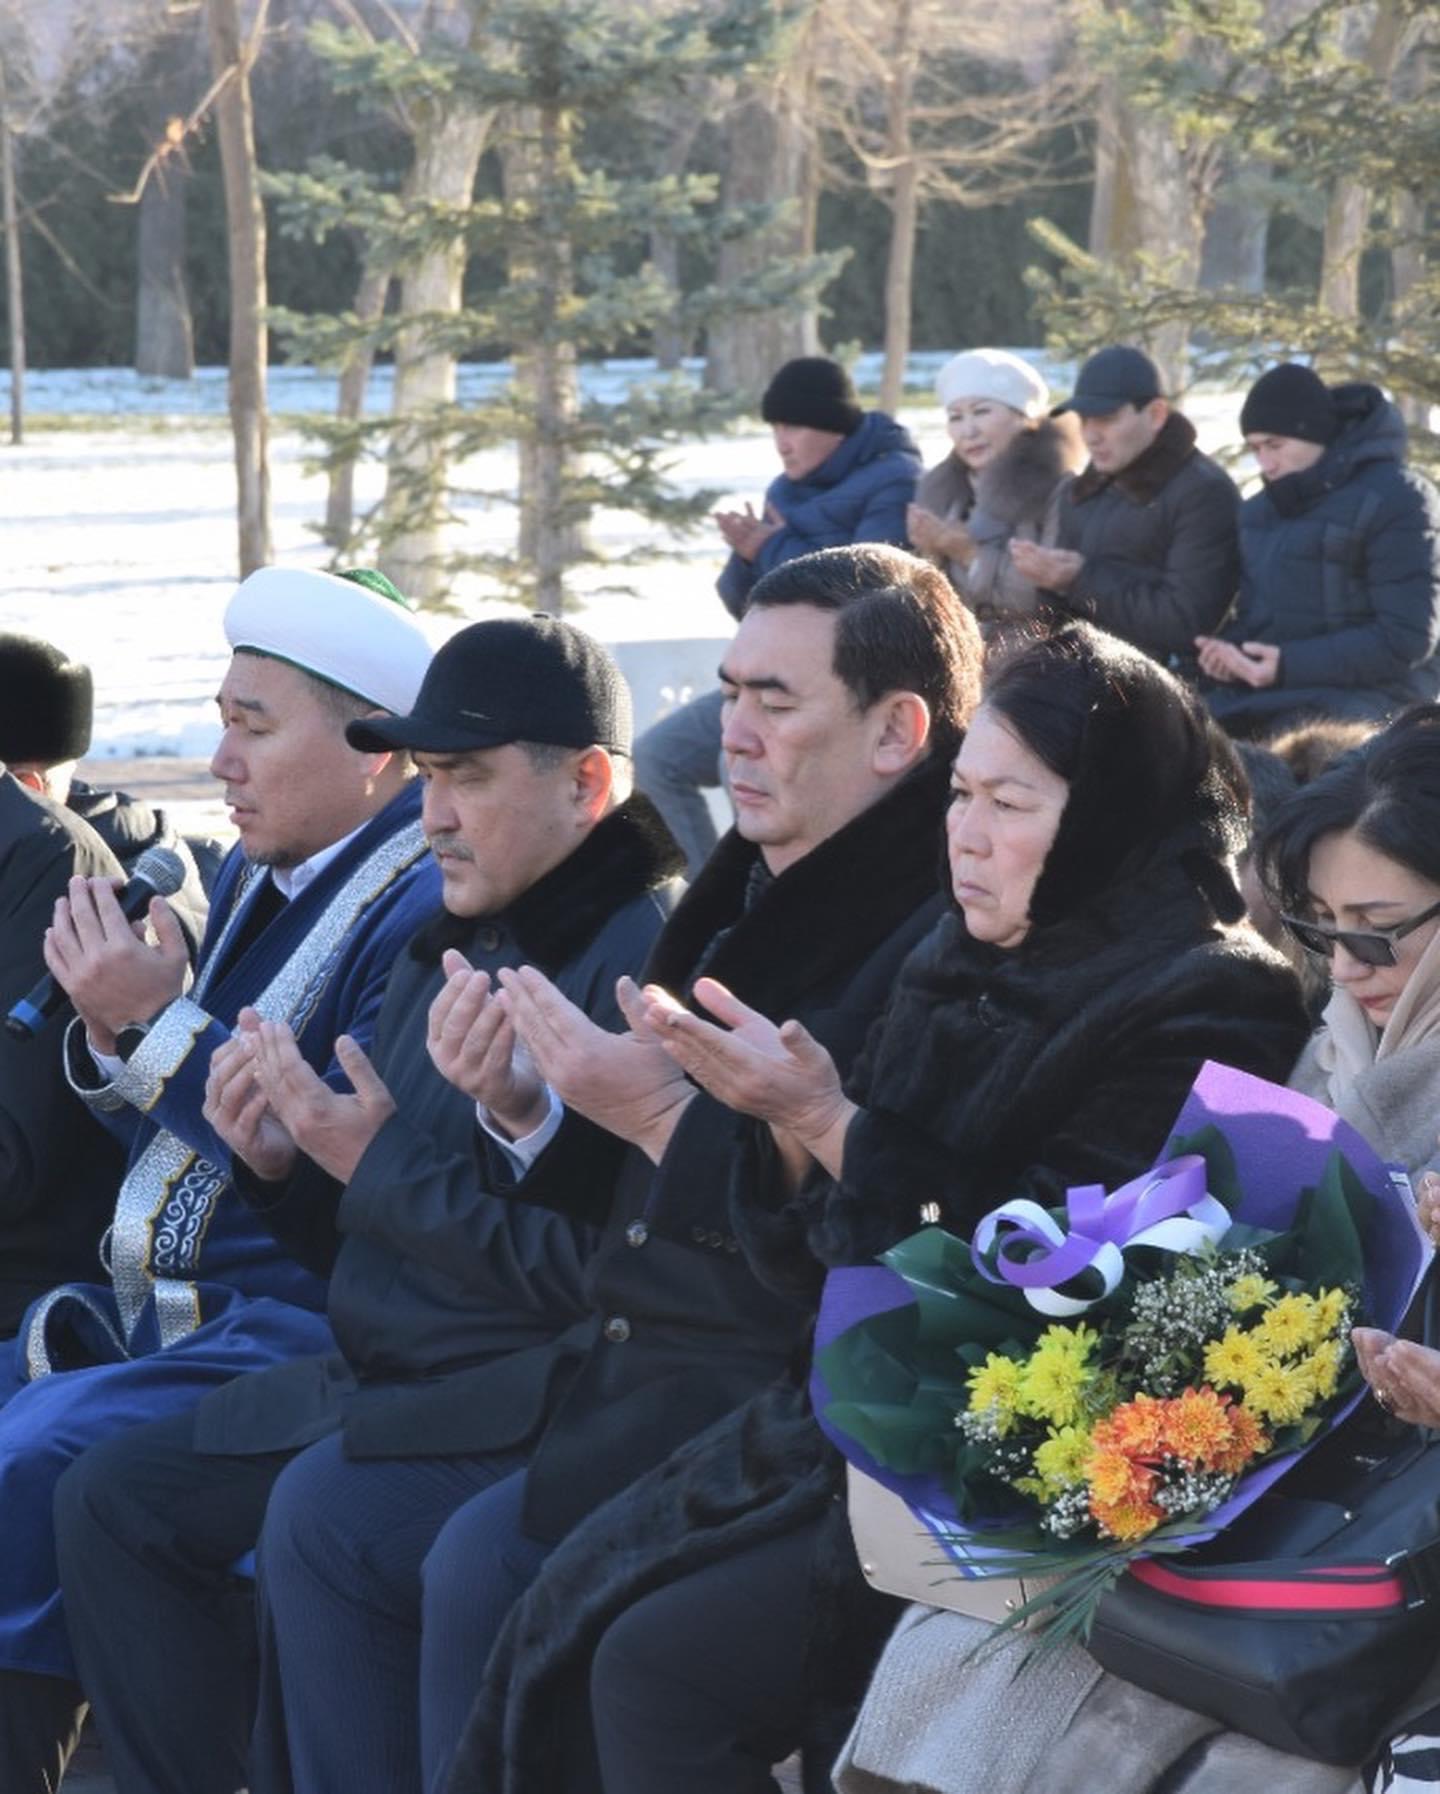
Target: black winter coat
(682, 1330)
(993, 1074)
(434, 1278)
(1340, 566)
(59, 1167)
(1161, 555)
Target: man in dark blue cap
(1147, 543)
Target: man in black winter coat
(521, 732)
(58, 1165)
(1147, 545)
(1339, 612)
(852, 674)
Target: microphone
(157, 873)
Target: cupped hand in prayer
(1403, 1375)
(238, 1109)
(472, 1044)
(110, 971)
(782, 1075)
(329, 1126)
(625, 1083)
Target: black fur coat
(993, 1074)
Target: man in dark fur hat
(47, 705)
(1148, 546)
(521, 732)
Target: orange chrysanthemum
(1113, 1477)
(1247, 1439)
(1198, 1426)
(1126, 1520)
(1135, 1427)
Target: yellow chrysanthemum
(1279, 1393)
(1290, 1326)
(1052, 1388)
(1061, 1460)
(1233, 1360)
(1250, 1291)
(1322, 1367)
(1331, 1309)
(1066, 1342)
(995, 1387)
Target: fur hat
(813, 392)
(47, 703)
(993, 374)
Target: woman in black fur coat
(713, 1618)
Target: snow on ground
(117, 534)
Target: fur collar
(820, 916)
(1018, 485)
(627, 854)
(1149, 474)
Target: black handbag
(1311, 1624)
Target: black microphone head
(161, 868)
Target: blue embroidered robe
(199, 1290)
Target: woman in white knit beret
(1007, 463)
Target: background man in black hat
(1339, 611)
(521, 732)
(47, 707)
(1147, 531)
(847, 475)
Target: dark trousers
(147, 1531)
(382, 1587)
(164, 1633)
(40, 1720)
(701, 1685)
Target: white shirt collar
(290, 881)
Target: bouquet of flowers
(1074, 1388)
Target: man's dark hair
(899, 626)
(1387, 793)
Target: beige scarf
(1386, 1084)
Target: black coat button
(636, 1234)
(617, 1329)
(487, 939)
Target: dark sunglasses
(1371, 946)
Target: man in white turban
(330, 877)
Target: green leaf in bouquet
(1221, 1179)
(1331, 1224)
(954, 1304)
(903, 1439)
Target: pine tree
(571, 238)
(1341, 104)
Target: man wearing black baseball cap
(1147, 545)
(521, 734)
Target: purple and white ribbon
(1167, 1207)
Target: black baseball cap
(510, 679)
(1111, 378)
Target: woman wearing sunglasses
(1352, 862)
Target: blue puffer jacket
(1341, 568)
(858, 494)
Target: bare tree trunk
(1347, 212)
(164, 336)
(14, 288)
(904, 205)
(1237, 233)
(245, 231)
(1408, 267)
(349, 405)
(766, 160)
(448, 148)
(546, 377)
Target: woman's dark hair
(1147, 769)
(1312, 748)
(1386, 792)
